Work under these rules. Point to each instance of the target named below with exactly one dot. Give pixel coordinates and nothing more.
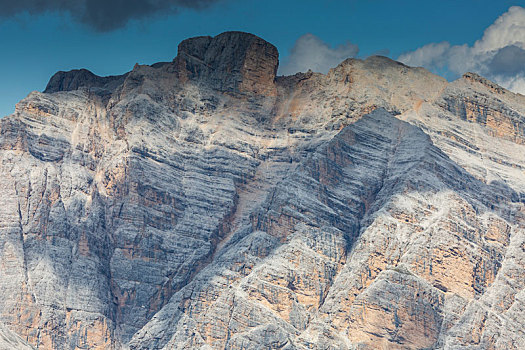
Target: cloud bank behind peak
(499, 55)
(310, 52)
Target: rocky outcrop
(205, 203)
(486, 103)
(10, 340)
(230, 62)
(82, 78)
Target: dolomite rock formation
(81, 78)
(230, 62)
(10, 340)
(205, 203)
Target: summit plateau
(207, 203)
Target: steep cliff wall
(207, 203)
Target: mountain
(206, 203)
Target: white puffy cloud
(310, 52)
(431, 55)
(499, 54)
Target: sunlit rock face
(205, 203)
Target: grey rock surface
(230, 62)
(82, 78)
(205, 203)
(9, 340)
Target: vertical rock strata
(233, 62)
(205, 203)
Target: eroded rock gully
(206, 203)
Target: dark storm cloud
(101, 15)
(509, 60)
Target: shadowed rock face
(204, 203)
(230, 62)
(81, 78)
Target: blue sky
(35, 46)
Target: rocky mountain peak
(230, 62)
(81, 78)
(382, 61)
(476, 78)
(204, 203)
(72, 80)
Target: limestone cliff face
(81, 78)
(205, 203)
(11, 340)
(230, 62)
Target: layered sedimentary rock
(82, 78)
(232, 62)
(10, 340)
(206, 203)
